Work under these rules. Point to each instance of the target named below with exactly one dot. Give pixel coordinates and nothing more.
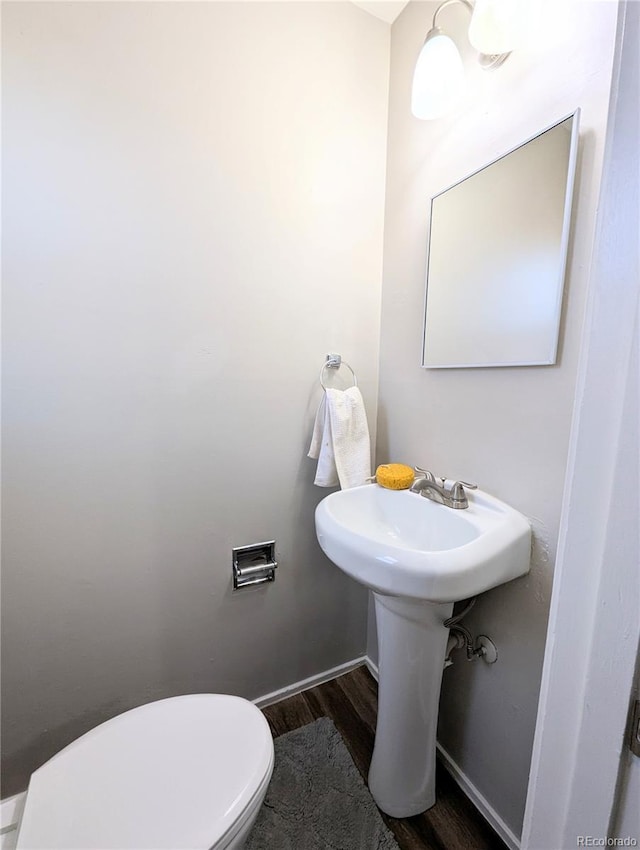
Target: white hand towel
(321, 448)
(340, 440)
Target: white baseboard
(371, 667)
(10, 812)
(482, 805)
(311, 682)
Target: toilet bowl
(185, 773)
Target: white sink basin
(418, 557)
(400, 543)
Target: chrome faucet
(455, 497)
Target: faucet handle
(458, 496)
(428, 475)
(450, 483)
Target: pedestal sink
(418, 557)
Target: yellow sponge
(395, 476)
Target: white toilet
(186, 773)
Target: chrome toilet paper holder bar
(254, 564)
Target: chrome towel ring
(335, 361)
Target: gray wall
(506, 429)
(193, 213)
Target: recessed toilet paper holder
(254, 564)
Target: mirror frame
(562, 260)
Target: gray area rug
(317, 799)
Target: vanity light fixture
(439, 76)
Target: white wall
(506, 429)
(193, 213)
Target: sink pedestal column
(412, 643)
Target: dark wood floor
(351, 702)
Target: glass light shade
(495, 26)
(438, 77)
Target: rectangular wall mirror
(496, 259)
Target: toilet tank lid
(176, 773)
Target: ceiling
(386, 10)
